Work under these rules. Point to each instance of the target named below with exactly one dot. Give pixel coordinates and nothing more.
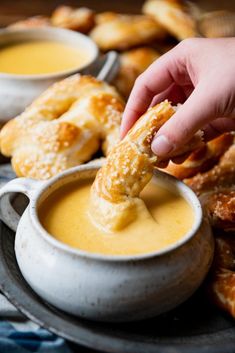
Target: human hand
(200, 73)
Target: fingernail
(161, 146)
(122, 132)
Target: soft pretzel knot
(79, 19)
(175, 16)
(120, 31)
(129, 167)
(64, 127)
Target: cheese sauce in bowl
(41, 57)
(165, 220)
(32, 59)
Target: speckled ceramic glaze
(18, 91)
(98, 287)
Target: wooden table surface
(12, 10)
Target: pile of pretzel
(141, 38)
(68, 124)
(210, 172)
(73, 119)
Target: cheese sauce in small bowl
(32, 59)
(42, 57)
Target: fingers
(156, 79)
(195, 113)
(217, 127)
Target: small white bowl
(18, 91)
(99, 287)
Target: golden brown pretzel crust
(221, 286)
(217, 191)
(122, 32)
(124, 164)
(220, 176)
(217, 24)
(201, 159)
(132, 64)
(220, 207)
(105, 17)
(174, 16)
(78, 19)
(129, 167)
(63, 127)
(31, 22)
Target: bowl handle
(110, 67)
(19, 185)
(105, 68)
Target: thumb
(196, 112)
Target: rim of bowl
(180, 186)
(55, 30)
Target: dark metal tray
(195, 326)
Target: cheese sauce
(168, 218)
(41, 57)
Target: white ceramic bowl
(99, 287)
(18, 91)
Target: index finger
(157, 78)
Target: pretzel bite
(64, 127)
(221, 287)
(132, 64)
(202, 158)
(220, 176)
(121, 32)
(31, 22)
(216, 189)
(220, 208)
(174, 16)
(78, 19)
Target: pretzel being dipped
(129, 167)
(64, 127)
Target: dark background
(11, 10)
